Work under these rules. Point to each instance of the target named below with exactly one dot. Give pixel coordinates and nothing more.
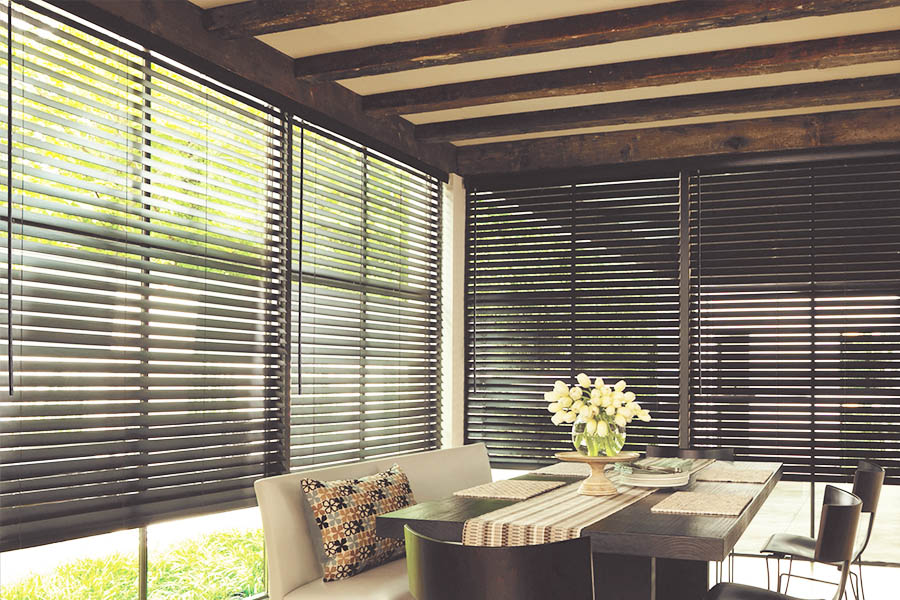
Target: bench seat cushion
(386, 582)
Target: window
(562, 280)
(796, 314)
(162, 223)
(367, 286)
(146, 276)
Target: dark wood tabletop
(634, 530)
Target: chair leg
(787, 580)
(862, 591)
(731, 567)
(854, 584)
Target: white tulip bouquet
(599, 413)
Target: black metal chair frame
(867, 483)
(834, 543)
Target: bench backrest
(292, 542)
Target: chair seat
(737, 591)
(385, 582)
(784, 544)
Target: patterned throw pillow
(345, 512)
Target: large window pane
(147, 283)
(365, 292)
(562, 280)
(102, 567)
(214, 557)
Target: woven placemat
(700, 503)
(565, 468)
(733, 474)
(510, 489)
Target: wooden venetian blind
(562, 280)
(365, 302)
(147, 272)
(796, 315)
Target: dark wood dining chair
(441, 570)
(834, 545)
(694, 453)
(867, 483)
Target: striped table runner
(557, 515)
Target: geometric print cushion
(345, 512)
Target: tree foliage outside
(220, 566)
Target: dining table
(638, 553)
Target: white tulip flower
(585, 412)
(635, 407)
(620, 385)
(620, 421)
(619, 396)
(554, 407)
(629, 396)
(610, 410)
(602, 429)
(644, 415)
(551, 396)
(558, 418)
(606, 401)
(595, 410)
(599, 382)
(560, 387)
(570, 417)
(617, 402)
(583, 380)
(596, 396)
(625, 412)
(590, 427)
(575, 393)
(565, 401)
(576, 406)
(606, 391)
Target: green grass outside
(219, 566)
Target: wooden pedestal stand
(597, 484)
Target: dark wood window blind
(145, 274)
(795, 303)
(566, 279)
(366, 301)
(159, 224)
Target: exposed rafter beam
(827, 130)
(757, 60)
(257, 17)
(804, 95)
(569, 32)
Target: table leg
(621, 577)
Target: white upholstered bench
(293, 545)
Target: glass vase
(593, 444)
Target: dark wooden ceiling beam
(569, 32)
(827, 130)
(258, 17)
(757, 60)
(804, 95)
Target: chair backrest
(837, 526)
(693, 453)
(867, 484)
(293, 542)
(451, 571)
